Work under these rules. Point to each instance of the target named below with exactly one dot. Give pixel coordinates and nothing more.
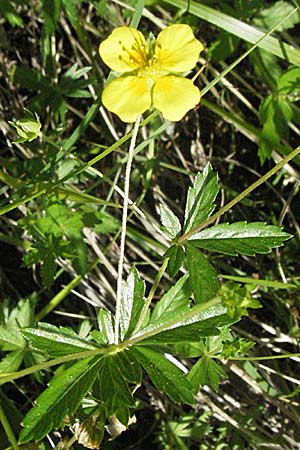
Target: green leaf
(70, 7)
(80, 260)
(212, 345)
(114, 388)
(22, 315)
(48, 269)
(138, 10)
(222, 47)
(165, 376)
(176, 257)
(30, 78)
(12, 361)
(129, 367)
(51, 11)
(200, 199)
(10, 13)
(63, 396)
(206, 372)
(289, 84)
(203, 276)
(132, 302)
(61, 221)
(192, 332)
(179, 318)
(55, 342)
(175, 300)
(274, 114)
(28, 127)
(269, 17)
(10, 339)
(240, 237)
(106, 328)
(171, 223)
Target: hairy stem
(124, 226)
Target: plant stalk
(124, 226)
(8, 430)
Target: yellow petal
(124, 50)
(128, 97)
(175, 96)
(177, 49)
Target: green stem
(262, 358)
(124, 226)
(8, 430)
(151, 295)
(240, 197)
(8, 377)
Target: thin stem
(261, 358)
(240, 197)
(8, 430)
(10, 376)
(124, 226)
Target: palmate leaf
(240, 237)
(165, 376)
(200, 198)
(206, 371)
(63, 396)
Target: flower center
(151, 69)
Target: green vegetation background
(59, 242)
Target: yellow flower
(151, 73)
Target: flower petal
(124, 50)
(128, 97)
(175, 96)
(177, 49)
